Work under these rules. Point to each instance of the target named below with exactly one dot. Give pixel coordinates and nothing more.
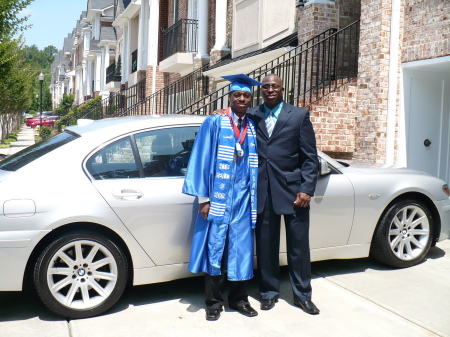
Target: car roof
(121, 125)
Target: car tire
(403, 235)
(80, 275)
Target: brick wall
(160, 80)
(334, 122)
(372, 91)
(427, 29)
(315, 19)
(229, 39)
(349, 11)
(163, 24)
(211, 24)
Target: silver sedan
(99, 206)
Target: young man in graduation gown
(222, 173)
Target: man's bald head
(272, 90)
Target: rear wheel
(80, 275)
(403, 235)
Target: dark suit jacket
(288, 160)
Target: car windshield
(27, 155)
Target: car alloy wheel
(80, 275)
(403, 235)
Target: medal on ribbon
(240, 136)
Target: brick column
(372, 87)
(316, 18)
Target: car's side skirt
(177, 271)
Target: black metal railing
(174, 97)
(112, 73)
(180, 38)
(310, 72)
(116, 103)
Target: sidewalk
(25, 138)
(356, 297)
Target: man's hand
(203, 208)
(302, 200)
(220, 112)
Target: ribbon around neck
(240, 136)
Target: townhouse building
(374, 74)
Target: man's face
(272, 91)
(240, 101)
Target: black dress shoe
(308, 307)
(245, 310)
(269, 303)
(213, 314)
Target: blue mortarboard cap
(241, 82)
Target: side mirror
(324, 169)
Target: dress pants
(298, 254)
(214, 286)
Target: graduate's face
(240, 101)
(272, 90)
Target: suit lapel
(258, 118)
(283, 117)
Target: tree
(10, 24)
(65, 104)
(15, 77)
(41, 61)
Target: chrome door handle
(126, 194)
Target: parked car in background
(33, 121)
(48, 121)
(114, 213)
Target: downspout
(393, 83)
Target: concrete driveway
(356, 298)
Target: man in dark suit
(288, 168)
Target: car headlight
(446, 189)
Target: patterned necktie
(239, 123)
(270, 123)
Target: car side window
(115, 161)
(165, 152)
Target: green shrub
(45, 132)
(91, 109)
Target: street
(356, 298)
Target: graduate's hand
(302, 200)
(203, 208)
(220, 112)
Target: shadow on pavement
(25, 305)
(17, 306)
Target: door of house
(427, 108)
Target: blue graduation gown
(236, 214)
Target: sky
(52, 20)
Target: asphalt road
(356, 298)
